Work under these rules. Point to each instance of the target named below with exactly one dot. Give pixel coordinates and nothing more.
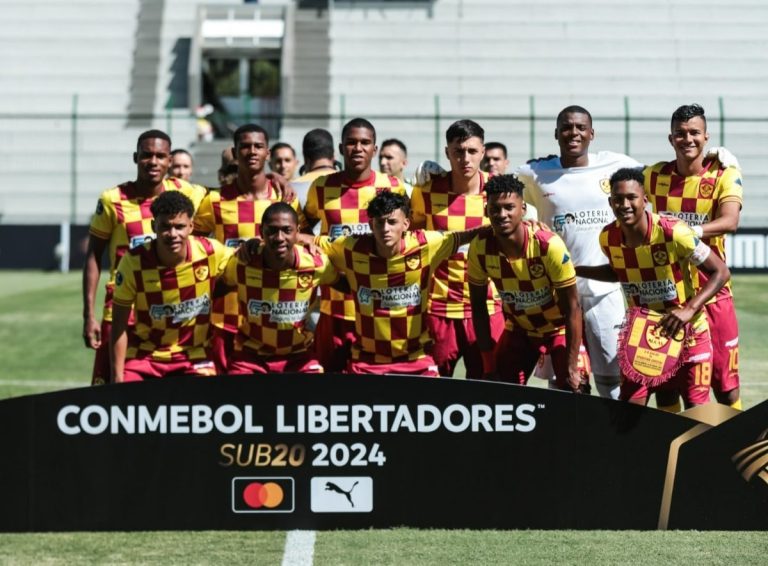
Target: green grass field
(41, 350)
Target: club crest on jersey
(536, 269)
(201, 273)
(706, 188)
(305, 280)
(660, 257)
(605, 185)
(413, 262)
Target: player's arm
(727, 221)
(418, 209)
(718, 275)
(91, 275)
(481, 321)
(568, 301)
(597, 272)
(466, 236)
(119, 341)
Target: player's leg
(333, 341)
(473, 361)
(695, 376)
(222, 346)
(445, 346)
(633, 392)
(140, 369)
(603, 317)
(516, 356)
(246, 362)
(724, 331)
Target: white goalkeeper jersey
(573, 201)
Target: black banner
(339, 451)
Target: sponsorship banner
(341, 451)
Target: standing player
(536, 279)
(123, 220)
(652, 256)
(699, 190)
(495, 161)
(169, 283)
(393, 157)
(283, 276)
(282, 160)
(339, 203)
(389, 272)
(317, 150)
(455, 201)
(233, 215)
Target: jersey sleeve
(104, 219)
(229, 277)
(418, 208)
(475, 271)
(295, 205)
(531, 191)
(557, 262)
(328, 273)
(333, 249)
(196, 194)
(222, 254)
(311, 209)
(125, 282)
(204, 222)
(442, 244)
(731, 187)
(688, 246)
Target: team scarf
(645, 355)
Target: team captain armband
(645, 355)
(700, 252)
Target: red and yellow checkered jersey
(696, 200)
(275, 303)
(125, 220)
(172, 305)
(657, 274)
(527, 285)
(390, 294)
(233, 217)
(440, 208)
(341, 208)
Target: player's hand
(283, 185)
(92, 333)
(574, 378)
(725, 157)
(537, 159)
(248, 249)
(426, 170)
(675, 320)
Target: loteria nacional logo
(752, 461)
(263, 495)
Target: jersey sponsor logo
(413, 262)
(289, 312)
(391, 297)
(691, 218)
(523, 300)
(201, 272)
(651, 291)
(605, 185)
(660, 257)
(341, 494)
(339, 230)
(233, 242)
(581, 220)
(140, 240)
(185, 310)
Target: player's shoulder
(662, 167)
(203, 245)
(612, 159)
(331, 180)
(309, 258)
(543, 236)
(117, 193)
(535, 166)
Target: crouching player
(169, 282)
(536, 280)
(651, 256)
(389, 273)
(274, 290)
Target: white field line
(299, 548)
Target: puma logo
(330, 486)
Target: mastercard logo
(262, 495)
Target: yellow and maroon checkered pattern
(274, 303)
(527, 285)
(663, 261)
(390, 294)
(436, 205)
(695, 199)
(232, 217)
(340, 206)
(172, 304)
(126, 221)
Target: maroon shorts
(244, 362)
(424, 367)
(454, 338)
(517, 354)
(102, 366)
(692, 381)
(139, 369)
(222, 346)
(724, 331)
(333, 342)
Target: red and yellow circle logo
(258, 495)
